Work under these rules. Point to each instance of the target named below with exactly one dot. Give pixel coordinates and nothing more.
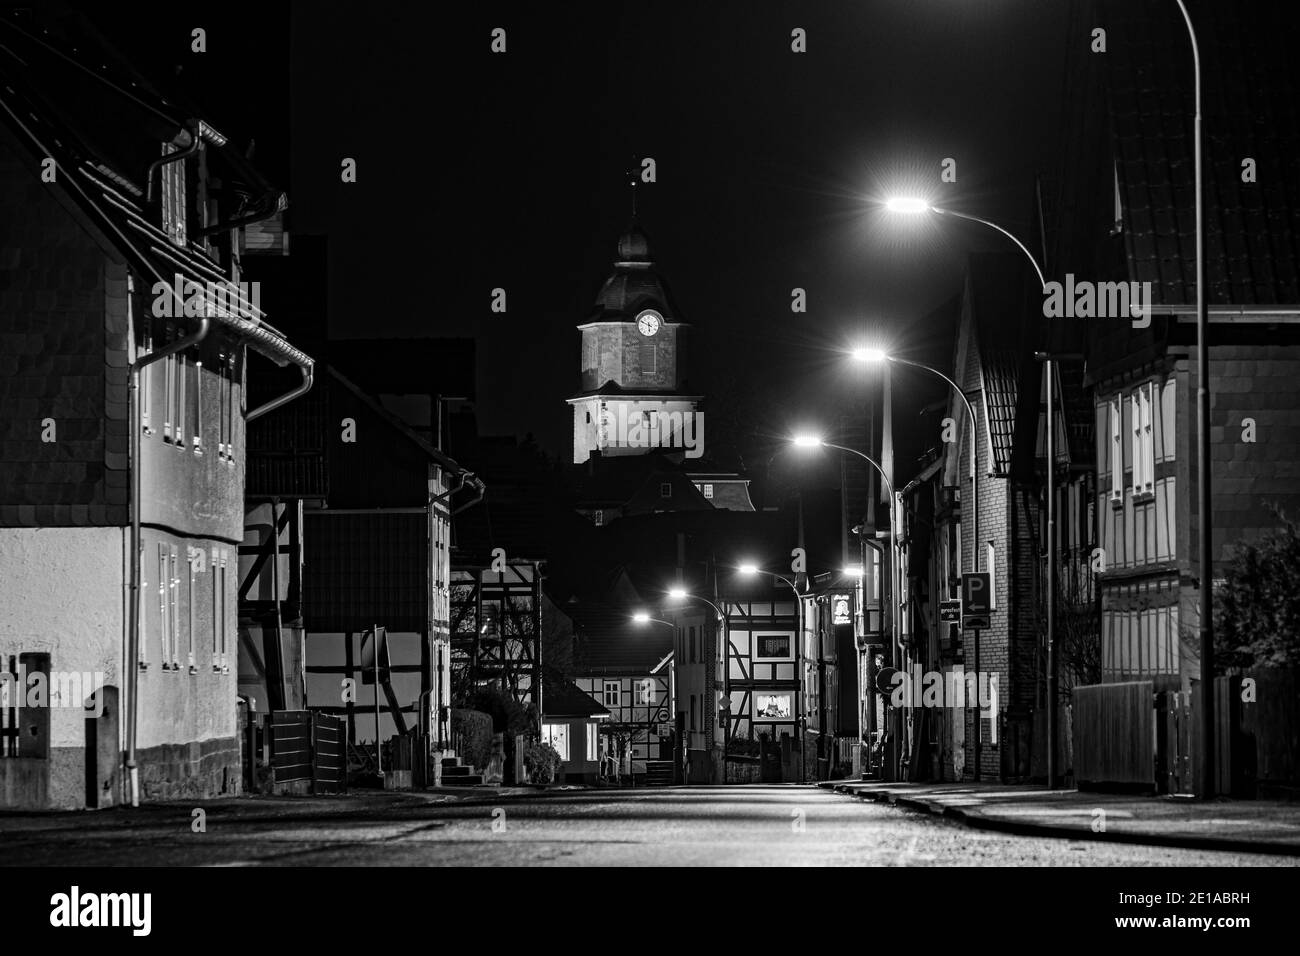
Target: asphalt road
(699, 826)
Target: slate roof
(1251, 108)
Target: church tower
(634, 344)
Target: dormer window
(173, 197)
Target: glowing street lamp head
(807, 441)
(870, 355)
(677, 594)
(907, 205)
(641, 617)
(854, 570)
(748, 569)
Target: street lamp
(915, 206)
(813, 441)
(879, 355)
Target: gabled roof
(1250, 96)
(563, 698)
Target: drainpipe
(190, 150)
(308, 374)
(133, 613)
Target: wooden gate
(329, 753)
(1115, 735)
(308, 752)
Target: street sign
(950, 611)
(976, 599)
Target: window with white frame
(173, 197)
(612, 693)
(557, 735)
(1144, 454)
(593, 737)
(164, 618)
(142, 643)
(1116, 414)
(174, 601)
(645, 691)
(195, 562)
(218, 610)
(708, 489)
(225, 650)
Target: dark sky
(478, 170)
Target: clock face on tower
(648, 322)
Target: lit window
(557, 735)
(613, 695)
(592, 740)
(708, 489)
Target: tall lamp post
(1203, 501)
(895, 575)
(681, 594)
(915, 206)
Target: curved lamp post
(681, 594)
(914, 206)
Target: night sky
(479, 170)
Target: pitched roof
(1250, 95)
(563, 698)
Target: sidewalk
(1249, 826)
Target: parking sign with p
(976, 599)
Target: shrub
(543, 763)
(473, 731)
(1257, 608)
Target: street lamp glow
(907, 205)
(677, 594)
(854, 571)
(870, 355)
(748, 569)
(807, 441)
(641, 617)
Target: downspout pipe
(195, 143)
(308, 376)
(132, 663)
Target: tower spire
(631, 181)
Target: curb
(979, 821)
